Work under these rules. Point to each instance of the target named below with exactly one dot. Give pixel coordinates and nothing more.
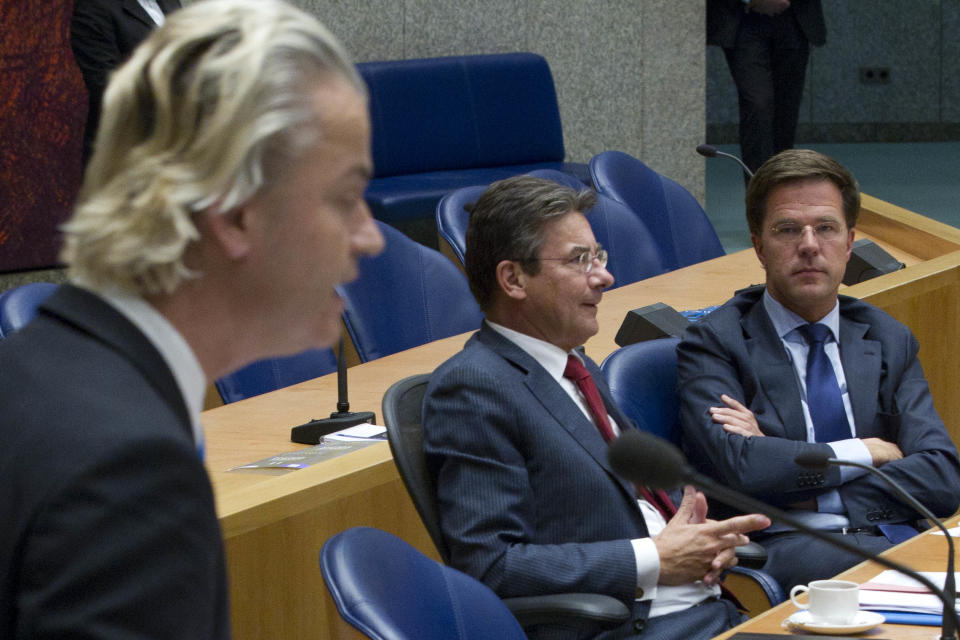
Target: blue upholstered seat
(275, 373)
(390, 591)
(633, 252)
(406, 296)
(18, 306)
(444, 123)
(679, 225)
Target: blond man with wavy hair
(222, 206)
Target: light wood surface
(274, 525)
(925, 552)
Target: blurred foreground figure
(222, 206)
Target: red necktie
(581, 377)
(578, 373)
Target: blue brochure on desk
(904, 617)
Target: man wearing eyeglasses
(516, 428)
(791, 367)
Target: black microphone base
(312, 432)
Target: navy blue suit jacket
(735, 350)
(528, 502)
(109, 528)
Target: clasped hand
(692, 548)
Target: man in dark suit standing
(103, 34)
(794, 367)
(220, 211)
(515, 428)
(767, 46)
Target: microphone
(710, 151)
(820, 460)
(312, 432)
(648, 460)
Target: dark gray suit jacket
(723, 21)
(735, 350)
(528, 502)
(109, 525)
(103, 34)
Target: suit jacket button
(639, 625)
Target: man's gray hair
(210, 109)
(509, 221)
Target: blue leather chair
(633, 251)
(19, 305)
(440, 124)
(276, 373)
(390, 591)
(407, 296)
(678, 223)
(643, 383)
(452, 220)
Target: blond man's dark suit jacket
(735, 350)
(109, 529)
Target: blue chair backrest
(390, 591)
(452, 218)
(275, 373)
(633, 251)
(634, 254)
(678, 223)
(643, 383)
(462, 112)
(19, 305)
(407, 296)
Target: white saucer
(802, 621)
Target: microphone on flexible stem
(820, 460)
(710, 151)
(312, 432)
(646, 459)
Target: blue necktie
(823, 393)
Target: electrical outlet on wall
(874, 75)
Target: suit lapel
(861, 360)
(92, 315)
(775, 372)
(557, 403)
(169, 5)
(133, 8)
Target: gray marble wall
(629, 73)
(915, 40)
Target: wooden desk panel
(275, 525)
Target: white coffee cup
(830, 601)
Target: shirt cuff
(648, 567)
(830, 502)
(853, 450)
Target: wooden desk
(274, 526)
(925, 552)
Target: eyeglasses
(584, 260)
(791, 232)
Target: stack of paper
(893, 591)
